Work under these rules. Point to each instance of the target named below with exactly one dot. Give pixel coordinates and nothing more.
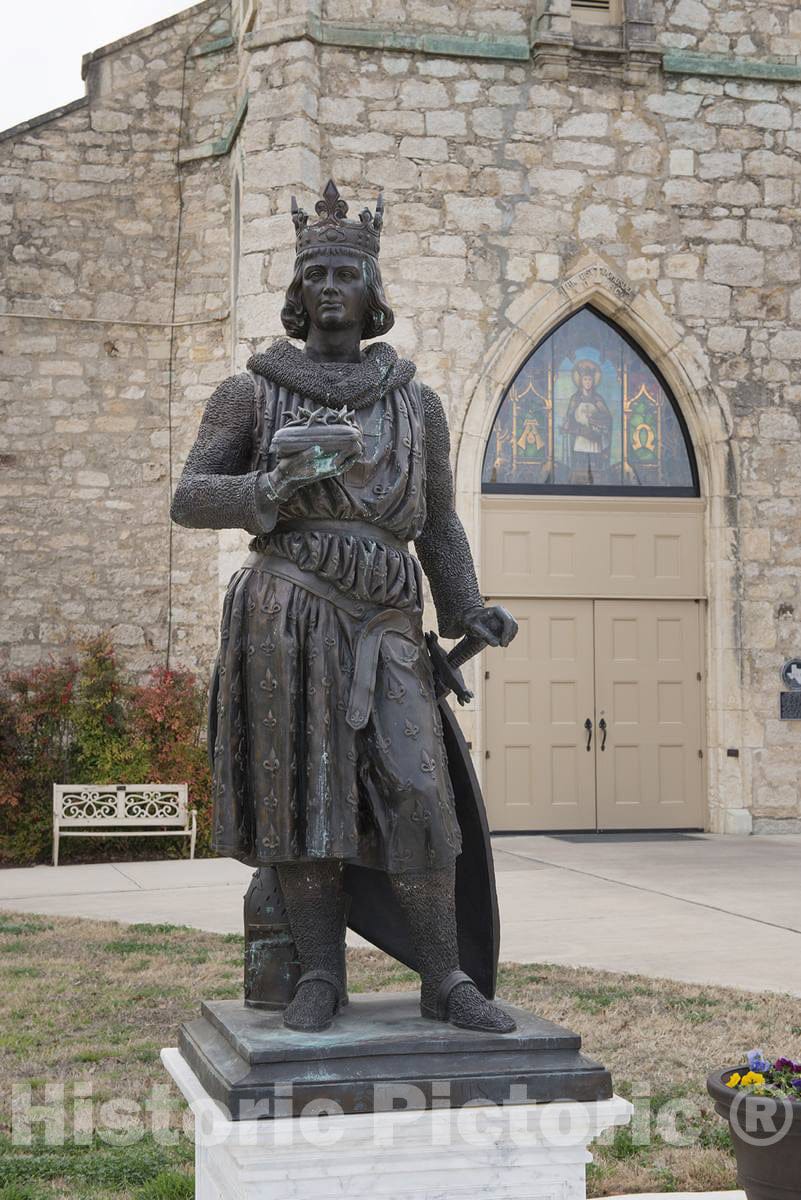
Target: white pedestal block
(501, 1152)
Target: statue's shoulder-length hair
(378, 318)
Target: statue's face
(334, 291)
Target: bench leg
(193, 838)
(55, 847)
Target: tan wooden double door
(594, 717)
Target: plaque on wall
(790, 709)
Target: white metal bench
(122, 810)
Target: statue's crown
(333, 231)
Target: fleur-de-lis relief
(267, 646)
(428, 764)
(395, 691)
(410, 729)
(269, 684)
(383, 743)
(271, 764)
(270, 720)
(270, 801)
(272, 609)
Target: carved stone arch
(680, 358)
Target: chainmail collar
(353, 385)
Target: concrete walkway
(698, 907)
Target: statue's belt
(346, 528)
(374, 621)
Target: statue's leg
(428, 902)
(315, 905)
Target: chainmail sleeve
(217, 489)
(442, 547)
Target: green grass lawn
(89, 1004)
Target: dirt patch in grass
(88, 1005)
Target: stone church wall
(498, 185)
(666, 193)
(90, 211)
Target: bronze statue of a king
(336, 762)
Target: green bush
(83, 721)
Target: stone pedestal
(501, 1152)
(389, 1105)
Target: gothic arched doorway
(593, 537)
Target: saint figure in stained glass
(588, 426)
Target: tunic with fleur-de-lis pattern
(292, 778)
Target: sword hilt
(464, 650)
(448, 676)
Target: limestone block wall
(511, 199)
(738, 27)
(104, 247)
(519, 185)
(447, 16)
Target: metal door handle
(602, 726)
(588, 727)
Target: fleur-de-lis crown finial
(333, 231)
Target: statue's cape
(374, 912)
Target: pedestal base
(379, 1047)
(514, 1151)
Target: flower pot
(767, 1138)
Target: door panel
(539, 692)
(647, 659)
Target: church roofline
(141, 34)
(53, 114)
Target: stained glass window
(587, 412)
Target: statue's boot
(316, 908)
(447, 994)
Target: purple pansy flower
(796, 1083)
(758, 1062)
(787, 1064)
